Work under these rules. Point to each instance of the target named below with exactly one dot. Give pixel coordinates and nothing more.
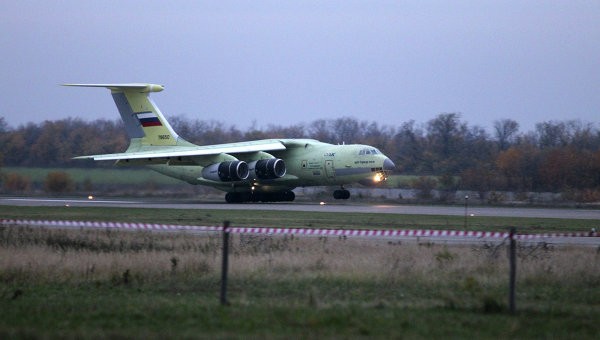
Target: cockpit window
(369, 151)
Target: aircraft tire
(288, 196)
(233, 197)
(341, 194)
(230, 197)
(266, 197)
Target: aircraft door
(329, 169)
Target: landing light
(379, 177)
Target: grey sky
(274, 62)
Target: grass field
(100, 176)
(107, 283)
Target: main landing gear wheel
(342, 194)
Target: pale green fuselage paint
(311, 164)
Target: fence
(470, 236)
(443, 236)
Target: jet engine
(229, 171)
(270, 168)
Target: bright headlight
(378, 177)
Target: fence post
(225, 263)
(513, 271)
(466, 210)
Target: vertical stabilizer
(144, 123)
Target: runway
(347, 207)
(332, 207)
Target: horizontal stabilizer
(141, 87)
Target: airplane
(252, 171)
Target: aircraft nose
(388, 165)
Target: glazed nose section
(388, 165)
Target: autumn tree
(552, 134)
(408, 148)
(519, 165)
(293, 131)
(346, 130)
(555, 156)
(15, 183)
(378, 136)
(446, 137)
(319, 129)
(58, 182)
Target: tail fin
(145, 124)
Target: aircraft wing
(188, 154)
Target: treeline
(556, 156)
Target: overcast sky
(284, 62)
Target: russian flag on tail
(148, 119)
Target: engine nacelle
(230, 171)
(270, 168)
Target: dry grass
(39, 255)
(42, 256)
(73, 283)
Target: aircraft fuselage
(310, 163)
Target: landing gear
(242, 197)
(342, 194)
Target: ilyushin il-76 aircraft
(253, 171)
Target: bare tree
(505, 131)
